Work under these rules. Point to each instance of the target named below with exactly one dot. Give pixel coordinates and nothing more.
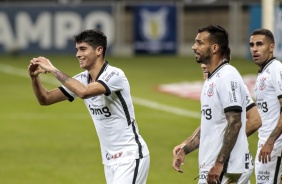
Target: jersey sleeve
(249, 101)
(230, 92)
(276, 77)
(71, 96)
(113, 80)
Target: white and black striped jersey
(113, 116)
(223, 91)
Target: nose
(194, 47)
(77, 54)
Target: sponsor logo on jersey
(211, 89)
(262, 83)
(262, 106)
(233, 89)
(114, 156)
(263, 176)
(100, 111)
(108, 77)
(203, 175)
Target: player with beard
(268, 97)
(221, 138)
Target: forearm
(192, 143)
(39, 90)
(230, 136)
(73, 85)
(275, 133)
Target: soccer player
(221, 138)
(252, 125)
(268, 97)
(106, 93)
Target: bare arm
(44, 97)
(253, 121)
(230, 136)
(267, 148)
(192, 143)
(80, 89)
(187, 146)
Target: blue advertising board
(155, 29)
(50, 29)
(278, 32)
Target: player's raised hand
(44, 63)
(265, 152)
(178, 159)
(34, 70)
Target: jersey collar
(225, 62)
(101, 71)
(266, 64)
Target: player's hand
(34, 70)
(44, 64)
(178, 158)
(214, 173)
(265, 152)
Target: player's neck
(95, 70)
(213, 64)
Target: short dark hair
(267, 33)
(93, 37)
(218, 35)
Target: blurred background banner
(155, 28)
(50, 29)
(278, 31)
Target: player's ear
(272, 47)
(215, 48)
(99, 49)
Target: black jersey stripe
(124, 106)
(136, 171)
(70, 98)
(276, 173)
(108, 91)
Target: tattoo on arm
(61, 76)
(193, 144)
(277, 130)
(230, 135)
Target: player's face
(205, 71)
(261, 49)
(86, 55)
(202, 47)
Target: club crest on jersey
(211, 89)
(262, 83)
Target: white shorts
(227, 178)
(130, 172)
(270, 172)
(249, 166)
(238, 178)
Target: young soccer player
(106, 93)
